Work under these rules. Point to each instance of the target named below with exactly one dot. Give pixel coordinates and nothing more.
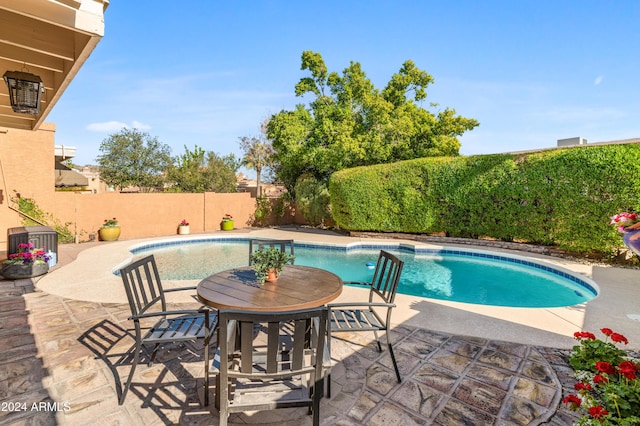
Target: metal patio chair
(279, 368)
(147, 301)
(368, 316)
(261, 244)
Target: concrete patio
(461, 364)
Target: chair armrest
(165, 313)
(167, 290)
(363, 304)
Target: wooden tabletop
(297, 287)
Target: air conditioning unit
(572, 141)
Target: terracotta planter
(109, 234)
(227, 225)
(272, 276)
(16, 272)
(183, 230)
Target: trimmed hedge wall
(561, 197)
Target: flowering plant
(625, 220)
(110, 223)
(184, 223)
(27, 254)
(227, 218)
(609, 389)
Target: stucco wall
(27, 167)
(146, 215)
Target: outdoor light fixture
(25, 91)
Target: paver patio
(70, 355)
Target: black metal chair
(364, 316)
(261, 244)
(280, 368)
(147, 301)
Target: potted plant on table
(183, 227)
(227, 222)
(28, 262)
(268, 263)
(110, 230)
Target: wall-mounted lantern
(25, 91)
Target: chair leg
(393, 358)
(207, 342)
(136, 359)
(153, 354)
(327, 375)
(375, 333)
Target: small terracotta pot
(272, 276)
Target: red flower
(619, 338)
(597, 412)
(606, 331)
(629, 369)
(605, 367)
(584, 335)
(574, 400)
(582, 386)
(598, 378)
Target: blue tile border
(382, 246)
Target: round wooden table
(297, 287)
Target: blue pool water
(463, 276)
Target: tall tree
(189, 172)
(351, 123)
(133, 158)
(257, 155)
(221, 172)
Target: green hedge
(561, 197)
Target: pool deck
(460, 362)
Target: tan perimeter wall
(150, 215)
(27, 168)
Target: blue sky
(208, 72)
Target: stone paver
(63, 362)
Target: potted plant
(227, 222)
(28, 262)
(183, 227)
(110, 230)
(268, 263)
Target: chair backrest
(270, 356)
(143, 286)
(386, 277)
(261, 244)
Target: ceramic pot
(183, 229)
(16, 272)
(227, 225)
(272, 276)
(109, 234)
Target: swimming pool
(468, 276)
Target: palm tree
(257, 155)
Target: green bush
(561, 197)
(312, 198)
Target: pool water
(482, 278)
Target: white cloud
(140, 126)
(114, 126)
(598, 80)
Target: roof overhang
(51, 39)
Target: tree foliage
(221, 172)
(200, 171)
(133, 158)
(257, 155)
(351, 123)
